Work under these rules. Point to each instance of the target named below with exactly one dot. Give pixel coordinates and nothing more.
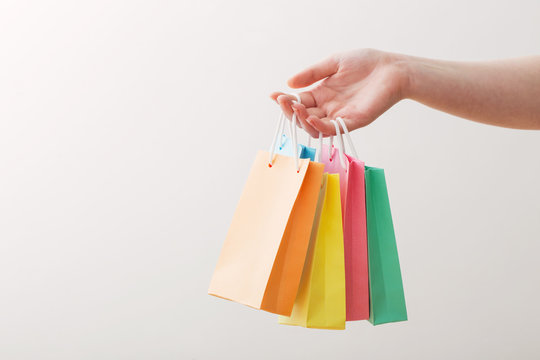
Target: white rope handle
(347, 136)
(299, 100)
(276, 136)
(295, 142)
(319, 149)
(282, 126)
(293, 134)
(279, 131)
(340, 144)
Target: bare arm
(503, 93)
(361, 85)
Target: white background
(127, 129)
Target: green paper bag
(387, 300)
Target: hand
(358, 86)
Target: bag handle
(279, 131)
(282, 131)
(347, 136)
(319, 148)
(282, 123)
(340, 144)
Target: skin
(361, 85)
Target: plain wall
(127, 130)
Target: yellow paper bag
(320, 302)
(261, 261)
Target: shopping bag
(285, 277)
(330, 158)
(262, 258)
(351, 171)
(321, 297)
(355, 243)
(299, 315)
(308, 153)
(387, 300)
(284, 147)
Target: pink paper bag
(353, 204)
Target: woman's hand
(358, 86)
(361, 85)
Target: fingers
(275, 95)
(302, 115)
(311, 118)
(306, 97)
(320, 113)
(285, 102)
(322, 125)
(314, 73)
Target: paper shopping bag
(351, 175)
(263, 254)
(299, 315)
(285, 147)
(355, 243)
(321, 298)
(330, 159)
(287, 270)
(387, 300)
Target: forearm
(503, 93)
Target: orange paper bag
(261, 261)
(320, 302)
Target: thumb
(314, 73)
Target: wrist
(405, 68)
